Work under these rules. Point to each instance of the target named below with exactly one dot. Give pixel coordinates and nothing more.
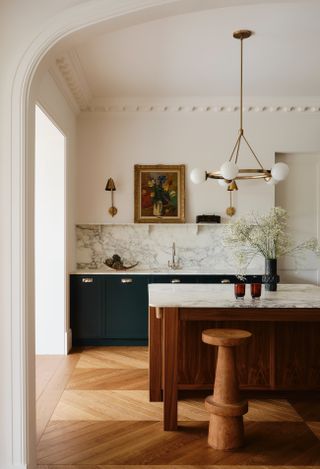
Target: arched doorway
(83, 18)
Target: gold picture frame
(159, 193)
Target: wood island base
(283, 354)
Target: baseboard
(14, 466)
(68, 341)
(115, 342)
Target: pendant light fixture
(230, 171)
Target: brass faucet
(174, 263)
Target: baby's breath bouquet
(264, 235)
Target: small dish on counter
(116, 263)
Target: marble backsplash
(199, 248)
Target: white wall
(109, 144)
(53, 102)
(49, 237)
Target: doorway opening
(50, 249)
(299, 194)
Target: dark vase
(270, 278)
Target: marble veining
(198, 249)
(222, 296)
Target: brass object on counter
(116, 263)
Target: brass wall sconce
(110, 186)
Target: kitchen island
(284, 353)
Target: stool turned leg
(226, 422)
(225, 389)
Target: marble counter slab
(222, 296)
(151, 271)
(197, 247)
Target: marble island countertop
(222, 296)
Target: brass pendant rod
(241, 83)
(251, 149)
(238, 149)
(235, 146)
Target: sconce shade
(110, 186)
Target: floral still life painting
(159, 193)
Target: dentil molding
(153, 108)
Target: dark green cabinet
(87, 307)
(109, 309)
(113, 309)
(126, 307)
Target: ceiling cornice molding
(70, 77)
(59, 80)
(70, 68)
(163, 108)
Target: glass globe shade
(272, 182)
(223, 183)
(279, 171)
(229, 170)
(198, 176)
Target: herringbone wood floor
(93, 412)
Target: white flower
(264, 235)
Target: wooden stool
(226, 410)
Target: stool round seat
(225, 337)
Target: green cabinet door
(126, 307)
(86, 307)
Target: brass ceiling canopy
(229, 172)
(242, 34)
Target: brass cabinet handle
(225, 280)
(175, 280)
(126, 280)
(87, 280)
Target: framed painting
(159, 193)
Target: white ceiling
(194, 54)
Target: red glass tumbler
(239, 290)
(255, 290)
